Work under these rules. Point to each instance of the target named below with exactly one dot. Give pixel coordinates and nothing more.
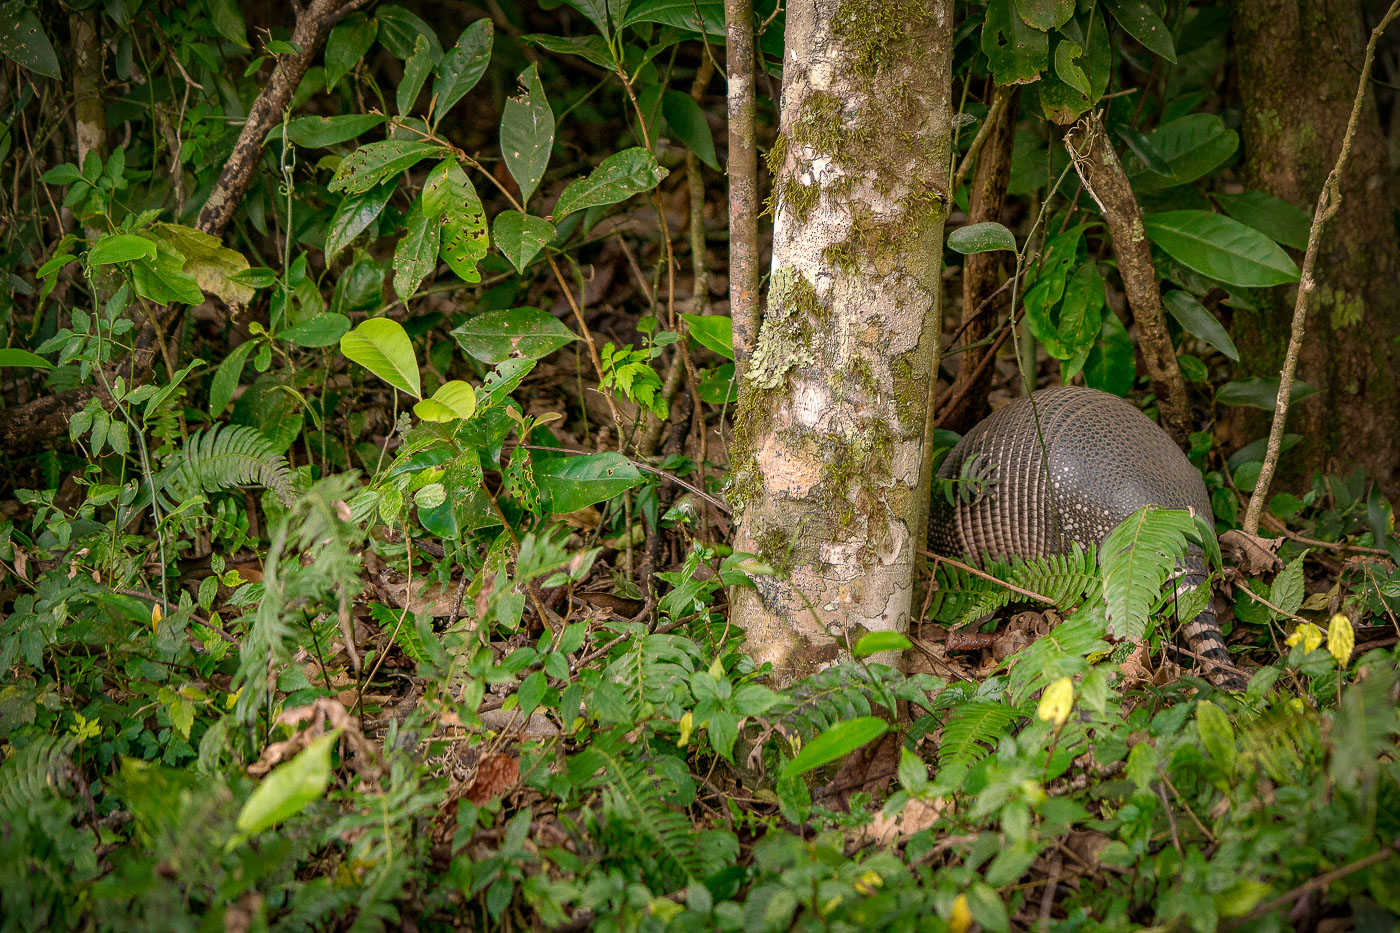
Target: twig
(743, 181)
(1029, 594)
(1103, 176)
(1001, 98)
(1282, 529)
(1321, 881)
(1264, 602)
(1328, 203)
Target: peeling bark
(828, 468)
(1298, 62)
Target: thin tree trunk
(742, 168)
(983, 274)
(1298, 63)
(828, 465)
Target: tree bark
(829, 468)
(983, 273)
(1298, 62)
(1102, 173)
(742, 169)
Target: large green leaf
(1221, 247)
(13, 356)
(1083, 59)
(347, 44)
(1261, 392)
(1140, 20)
(1017, 53)
(688, 124)
(290, 786)
(527, 133)
(713, 332)
(837, 741)
(1045, 14)
(1272, 216)
(620, 176)
(163, 279)
(590, 48)
(371, 164)
(417, 251)
(23, 40)
(120, 247)
(453, 401)
(1193, 316)
(1110, 366)
(462, 67)
(226, 377)
(321, 330)
(1190, 147)
(981, 238)
(705, 16)
(382, 346)
(353, 215)
(415, 73)
(573, 483)
(399, 31)
(520, 237)
(525, 332)
(319, 132)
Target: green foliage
(216, 459)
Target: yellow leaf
(1307, 633)
(687, 723)
(1341, 639)
(868, 882)
(213, 265)
(1056, 702)
(156, 616)
(961, 918)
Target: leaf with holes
(524, 332)
(527, 133)
(1016, 52)
(371, 164)
(23, 40)
(620, 176)
(417, 251)
(382, 346)
(520, 237)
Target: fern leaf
(973, 729)
(28, 775)
(217, 459)
(1135, 560)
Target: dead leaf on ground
(320, 717)
(916, 816)
(1254, 555)
(432, 598)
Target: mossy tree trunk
(1298, 63)
(829, 473)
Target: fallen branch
(1328, 203)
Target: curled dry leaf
(319, 717)
(1254, 555)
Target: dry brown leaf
(495, 774)
(1253, 554)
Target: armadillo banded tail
(1204, 638)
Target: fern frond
(1066, 580)
(836, 694)
(28, 776)
(973, 730)
(1135, 560)
(216, 459)
(639, 795)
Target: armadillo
(1106, 460)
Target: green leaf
(1070, 328)
(321, 330)
(1274, 217)
(399, 31)
(527, 133)
(455, 400)
(120, 247)
(520, 237)
(228, 21)
(371, 164)
(1045, 14)
(987, 907)
(23, 41)
(502, 381)
(382, 346)
(319, 132)
(837, 741)
(226, 377)
(462, 67)
(572, 483)
(620, 176)
(163, 279)
(524, 332)
(1140, 146)
(1017, 53)
(1217, 734)
(1067, 55)
(12, 356)
(290, 786)
(1221, 248)
(1110, 365)
(713, 332)
(590, 48)
(417, 252)
(1191, 147)
(1287, 591)
(215, 267)
(875, 642)
(450, 195)
(415, 73)
(347, 44)
(981, 238)
(1261, 392)
(680, 13)
(531, 692)
(1141, 22)
(688, 124)
(1197, 321)
(354, 214)
(1135, 559)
